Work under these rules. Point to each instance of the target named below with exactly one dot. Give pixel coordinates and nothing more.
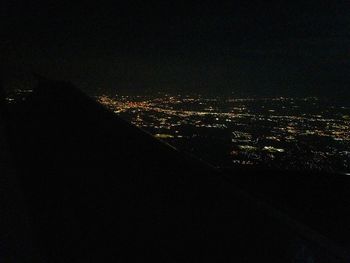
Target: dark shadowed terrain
(93, 188)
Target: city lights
(288, 133)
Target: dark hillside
(98, 189)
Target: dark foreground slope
(319, 200)
(97, 189)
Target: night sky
(240, 47)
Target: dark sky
(244, 47)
